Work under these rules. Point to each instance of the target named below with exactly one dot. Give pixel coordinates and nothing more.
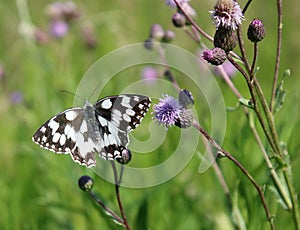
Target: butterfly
(101, 128)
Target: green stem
(269, 115)
(256, 108)
(241, 167)
(277, 63)
(117, 189)
(289, 180)
(274, 175)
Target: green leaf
(280, 95)
(278, 197)
(286, 73)
(255, 71)
(246, 102)
(233, 109)
(236, 213)
(142, 216)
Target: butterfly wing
(118, 115)
(65, 133)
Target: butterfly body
(102, 128)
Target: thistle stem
(117, 189)
(109, 211)
(277, 62)
(241, 167)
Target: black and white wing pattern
(102, 128)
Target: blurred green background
(38, 189)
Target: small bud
(185, 98)
(168, 36)
(179, 20)
(89, 36)
(148, 44)
(225, 39)
(125, 158)
(215, 56)
(157, 32)
(256, 31)
(185, 119)
(168, 74)
(85, 183)
(41, 36)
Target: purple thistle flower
(167, 111)
(227, 14)
(150, 74)
(59, 28)
(16, 97)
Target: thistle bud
(225, 39)
(157, 32)
(256, 31)
(149, 43)
(185, 98)
(168, 36)
(85, 183)
(185, 119)
(125, 158)
(179, 20)
(215, 56)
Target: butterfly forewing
(102, 128)
(117, 116)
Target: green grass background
(38, 189)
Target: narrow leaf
(142, 216)
(246, 102)
(280, 95)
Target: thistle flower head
(167, 111)
(228, 14)
(59, 28)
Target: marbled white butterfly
(102, 128)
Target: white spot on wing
(106, 104)
(83, 127)
(43, 139)
(70, 115)
(130, 112)
(125, 102)
(43, 129)
(102, 121)
(55, 137)
(126, 117)
(53, 125)
(62, 139)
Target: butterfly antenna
(73, 94)
(95, 90)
